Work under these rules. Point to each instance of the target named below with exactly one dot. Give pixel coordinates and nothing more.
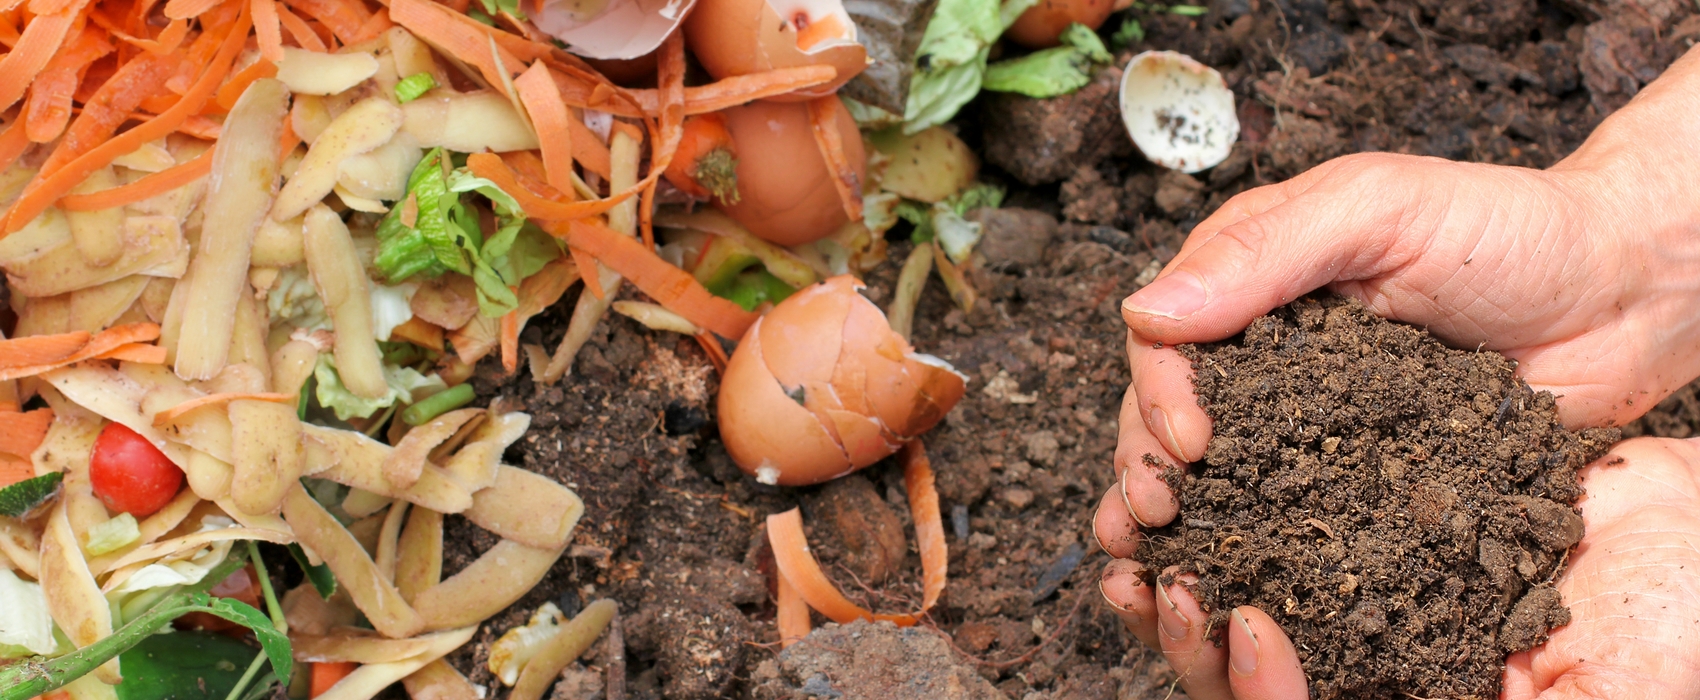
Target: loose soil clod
(1400, 508)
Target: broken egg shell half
(821, 386)
(1179, 111)
(740, 37)
(785, 190)
(608, 29)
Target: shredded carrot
(47, 7)
(550, 117)
(21, 433)
(378, 24)
(110, 106)
(35, 47)
(823, 120)
(327, 673)
(791, 549)
(13, 142)
(231, 90)
(49, 107)
(186, 9)
(303, 35)
(587, 263)
(41, 349)
(288, 140)
(344, 19)
(267, 32)
(529, 170)
(716, 353)
(793, 615)
(713, 97)
(175, 412)
(49, 189)
(670, 286)
(492, 168)
(111, 341)
(135, 352)
(13, 471)
(166, 43)
(510, 341)
(469, 44)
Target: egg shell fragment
(1179, 112)
(608, 29)
(821, 386)
(739, 37)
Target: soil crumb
(870, 661)
(1399, 507)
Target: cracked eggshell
(608, 29)
(1179, 111)
(821, 386)
(740, 37)
(785, 190)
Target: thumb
(1339, 227)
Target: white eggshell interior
(1179, 111)
(817, 10)
(624, 29)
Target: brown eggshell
(740, 37)
(863, 387)
(765, 431)
(785, 191)
(1041, 24)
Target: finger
(1519, 677)
(1336, 229)
(1262, 663)
(1182, 627)
(1162, 380)
(1131, 599)
(1238, 208)
(1113, 525)
(1144, 493)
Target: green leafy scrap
(38, 675)
(950, 62)
(413, 87)
(496, 7)
(20, 498)
(1051, 72)
(184, 665)
(324, 582)
(1131, 32)
(1189, 10)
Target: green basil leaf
(20, 498)
(183, 666)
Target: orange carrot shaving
(111, 106)
(669, 286)
(185, 9)
(178, 411)
(21, 433)
(108, 342)
(420, 332)
(791, 550)
(267, 31)
(303, 35)
(492, 168)
(704, 99)
(377, 24)
(529, 170)
(35, 47)
(41, 349)
(13, 471)
(589, 150)
(592, 281)
(823, 120)
(344, 19)
(45, 191)
(716, 353)
(47, 7)
(510, 341)
(550, 117)
(437, 25)
(135, 352)
(793, 615)
(13, 142)
(327, 673)
(228, 93)
(152, 185)
(49, 107)
(164, 44)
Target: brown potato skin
(1041, 24)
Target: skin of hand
(1587, 273)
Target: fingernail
(1166, 432)
(1176, 296)
(1127, 501)
(1242, 653)
(1173, 624)
(1095, 536)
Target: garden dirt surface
(673, 531)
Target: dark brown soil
(671, 525)
(1399, 507)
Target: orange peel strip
(175, 412)
(669, 286)
(798, 565)
(21, 433)
(111, 340)
(793, 615)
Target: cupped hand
(1633, 588)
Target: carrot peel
(171, 414)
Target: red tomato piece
(129, 474)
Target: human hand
(1633, 588)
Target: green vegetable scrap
(185, 665)
(20, 498)
(951, 60)
(402, 381)
(112, 535)
(414, 86)
(324, 582)
(1051, 72)
(437, 404)
(1130, 33)
(445, 235)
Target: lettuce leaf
(403, 383)
(951, 60)
(1051, 72)
(24, 620)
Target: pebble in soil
(1400, 508)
